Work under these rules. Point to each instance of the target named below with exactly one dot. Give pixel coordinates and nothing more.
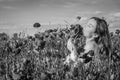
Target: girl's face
(90, 28)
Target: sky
(19, 13)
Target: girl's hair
(104, 38)
(103, 33)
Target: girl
(97, 36)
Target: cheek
(92, 30)
(87, 32)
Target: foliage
(41, 58)
(36, 25)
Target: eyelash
(90, 25)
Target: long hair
(103, 34)
(104, 38)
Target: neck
(89, 39)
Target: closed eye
(90, 25)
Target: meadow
(41, 57)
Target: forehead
(92, 21)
